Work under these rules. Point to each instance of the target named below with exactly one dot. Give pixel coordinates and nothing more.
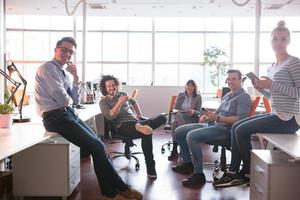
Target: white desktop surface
(24, 135)
(289, 143)
(20, 137)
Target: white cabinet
(51, 168)
(273, 177)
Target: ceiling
(155, 7)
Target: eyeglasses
(66, 50)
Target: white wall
(154, 100)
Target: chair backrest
(219, 93)
(134, 93)
(225, 90)
(267, 104)
(172, 103)
(254, 105)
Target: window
(191, 47)
(144, 50)
(243, 47)
(166, 74)
(166, 47)
(140, 47)
(114, 46)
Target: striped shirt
(285, 90)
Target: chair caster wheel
(169, 145)
(137, 167)
(162, 150)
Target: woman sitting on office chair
(187, 109)
(283, 88)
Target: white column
(83, 41)
(257, 36)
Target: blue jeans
(189, 136)
(73, 129)
(241, 133)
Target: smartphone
(204, 109)
(252, 76)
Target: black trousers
(127, 129)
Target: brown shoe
(145, 129)
(132, 193)
(117, 197)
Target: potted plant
(215, 57)
(6, 111)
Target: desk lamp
(13, 69)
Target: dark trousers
(68, 125)
(127, 129)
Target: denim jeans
(128, 130)
(241, 133)
(68, 125)
(189, 136)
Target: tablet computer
(252, 76)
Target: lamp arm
(9, 78)
(15, 83)
(21, 101)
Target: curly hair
(105, 78)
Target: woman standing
(283, 88)
(187, 106)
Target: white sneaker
(145, 129)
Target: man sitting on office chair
(235, 105)
(116, 106)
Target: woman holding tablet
(282, 87)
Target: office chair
(111, 133)
(168, 126)
(220, 167)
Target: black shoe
(173, 156)
(230, 180)
(196, 180)
(151, 172)
(184, 168)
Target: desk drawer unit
(273, 177)
(47, 169)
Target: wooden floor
(166, 187)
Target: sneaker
(131, 193)
(196, 180)
(151, 172)
(145, 129)
(229, 180)
(184, 168)
(173, 156)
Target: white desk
(23, 140)
(275, 175)
(20, 137)
(289, 143)
(24, 135)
